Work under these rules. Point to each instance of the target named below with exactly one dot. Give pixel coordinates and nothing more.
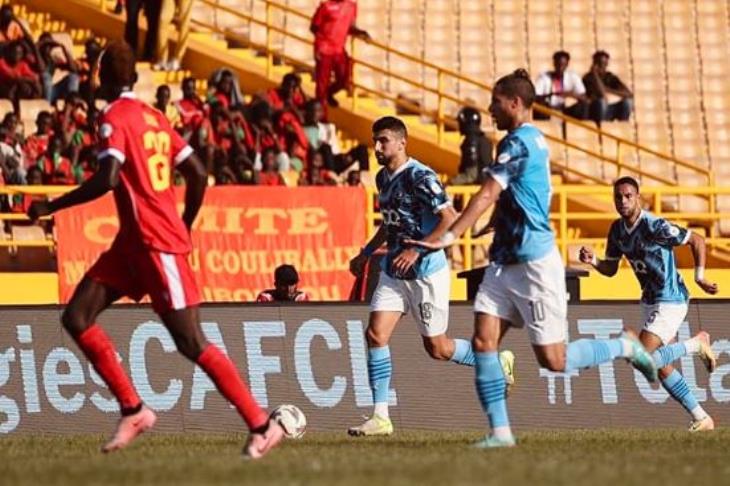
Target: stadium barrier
(315, 356)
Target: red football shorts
(167, 278)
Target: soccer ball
(291, 419)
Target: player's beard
(382, 160)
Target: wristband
(699, 273)
(594, 260)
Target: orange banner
(241, 235)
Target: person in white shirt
(555, 88)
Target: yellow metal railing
(265, 14)
(11, 191)
(563, 219)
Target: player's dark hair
(519, 85)
(626, 180)
(117, 65)
(286, 275)
(561, 55)
(390, 123)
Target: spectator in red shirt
(333, 21)
(269, 174)
(286, 280)
(57, 169)
(36, 144)
(18, 80)
(288, 96)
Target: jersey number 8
(158, 164)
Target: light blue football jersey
(410, 200)
(522, 213)
(649, 247)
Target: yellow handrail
(562, 217)
(442, 73)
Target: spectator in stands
(223, 87)
(11, 29)
(22, 201)
(476, 148)
(119, 7)
(288, 96)
(84, 138)
(333, 21)
(265, 136)
(56, 56)
(92, 51)
(56, 167)
(162, 103)
(317, 130)
(320, 170)
(37, 143)
(286, 281)
(72, 118)
(18, 79)
(269, 175)
(554, 88)
(194, 125)
(600, 83)
(11, 151)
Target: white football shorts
(664, 318)
(427, 299)
(531, 293)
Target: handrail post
(564, 224)
(269, 54)
(440, 111)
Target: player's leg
(170, 282)
(662, 322)
(185, 329)
(429, 304)
(540, 296)
(490, 378)
(387, 305)
(89, 300)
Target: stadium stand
(430, 58)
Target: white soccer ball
(291, 419)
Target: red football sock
(226, 378)
(99, 349)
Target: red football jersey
(142, 139)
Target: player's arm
(103, 180)
(697, 244)
(607, 267)
(478, 205)
(358, 263)
(196, 180)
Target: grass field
(562, 457)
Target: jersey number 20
(158, 164)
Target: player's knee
(189, 346)
(375, 339)
(437, 350)
(552, 362)
(74, 321)
(482, 344)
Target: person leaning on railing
(599, 83)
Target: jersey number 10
(158, 164)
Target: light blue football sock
(463, 353)
(586, 353)
(669, 353)
(491, 386)
(678, 389)
(380, 369)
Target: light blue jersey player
(524, 286)
(414, 206)
(648, 242)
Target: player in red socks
(138, 154)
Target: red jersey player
(139, 151)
